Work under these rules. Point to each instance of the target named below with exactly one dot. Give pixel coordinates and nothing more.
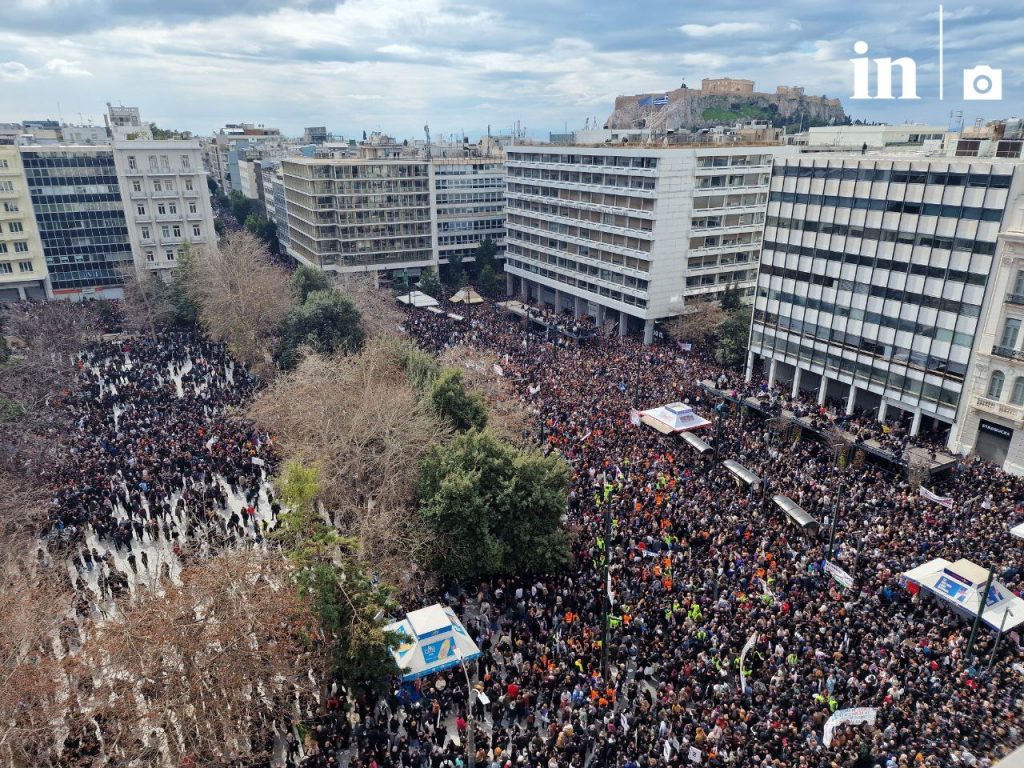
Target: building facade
(166, 199)
(991, 420)
(76, 198)
(349, 215)
(23, 272)
(872, 278)
(469, 206)
(632, 234)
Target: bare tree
(242, 297)
(508, 415)
(700, 319)
(361, 422)
(146, 306)
(381, 316)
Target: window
(169, 185)
(165, 231)
(152, 163)
(169, 253)
(150, 256)
(995, 385)
(1018, 283)
(157, 186)
(165, 162)
(141, 209)
(6, 186)
(172, 207)
(196, 232)
(132, 164)
(145, 233)
(3, 164)
(177, 231)
(1017, 396)
(16, 226)
(10, 207)
(188, 184)
(21, 247)
(136, 186)
(5, 268)
(26, 266)
(1010, 331)
(3, 247)
(161, 209)
(192, 208)
(185, 162)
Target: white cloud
(67, 68)
(722, 28)
(795, 25)
(396, 49)
(14, 71)
(955, 15)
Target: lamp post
(607, 579)
(977, 619)
(470, 720)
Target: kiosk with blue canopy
(432, 639)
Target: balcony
(166, 193)
(197, 216)
(190, 192)
(1015, 298)
(143, 217)
(139, 195)
(1014, 413)
(1007, 352)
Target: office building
(76, 198)
(22, 264)
(125, 124)
(991, 418)
(469, 205)
(315, 135)
(872, 278)
(351, 215)
(632, 234)
(875, 136)
(166, 199)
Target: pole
(604, 589)
(470, 735)
(977, 619)
(636, 383)
(834, 521)
(995, 649)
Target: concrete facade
(23, 273)
(468, 206)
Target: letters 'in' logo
(862, 75)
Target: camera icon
(983, 83)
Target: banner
(743, 655)
(211, 442)
(839, 574)
(945, 501)
(634, 417)
(584, 438)
(258, 461)
(611, 596)
(499, 370)
(852, 716)
(695, 755)
(534, 389)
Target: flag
(611, 597)
(661, 101)
(499, 370)
(584, 438)
(634, 417)
(534, 389)
(743, 655)
(945, 501)
(685, 346)
(258, 461)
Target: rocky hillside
(693, 109)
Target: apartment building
(991, 419)
(632, 233)
(76, 198)
(353, 215)
(22, 264)
(469, 205)
(166, 199)
(872, 279)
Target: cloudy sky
(463, 64)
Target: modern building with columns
(873, 276)
(631, 233)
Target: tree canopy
(307, 279)
(494, 509)
(463, 409)
(429, 283)
(326, 322)
(733, 333)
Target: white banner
(634, 417)
(534, 389)
(839, 574)
(589, 433)
(258, 461)
(499, 370)
(743, 655)
(611, 596)
(946, 501)
(852, 716)
(695, 755)
(210, 443)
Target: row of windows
(979, 249)
(466, 239)
(165, 209)
(38, 161)
(891, 206)
(995, 388)
(584, 196)
(719, 278)
(614, 161)
(161, 164)
(174, 230)
(19, 247)
(597, 290)
(7, 268)
(470, 225)
(876, 291)
(74, 201)
(583, 214)
(888, 175)
(594, 236)
(162, 185)
(469, 197)
(473, 182)
(593, 179)
(853, 313)
(583, 268)
(14, 227)
(469, 210)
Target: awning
(960, 586)
(432, 639)
(1018, 531)
(674, 417)
(797, 514)
(741, 473)
(453, 316)
(466, 296)
(417, 299)
(696, 443)
(435, 310)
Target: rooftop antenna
(426, 131)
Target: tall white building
(469, 205)
(631, 234)
(166, 199)
(872, 278)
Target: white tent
(674, 417)
(1018, 531)
(960, 586)
(430, 637)
(417, 299)
(466, 296)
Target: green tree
(733, 334)
(421, 368)
(326, 322)
(307, 279)
(484, 256)
(429, 283)
(730, 298)
(347, 603)
(448, 396)
(455, 268)
(183, 290)
(265, 230)
(487, 280)
(494, 509)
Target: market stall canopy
(671, 418)
(797, 514)
(466, 296)
(696, 443)
(1018, 531)
(960, 585)
(431, 640)
(435, 310)
(741, 473)
(417, 299)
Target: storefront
(993, 441)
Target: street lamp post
(470, 720)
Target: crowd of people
(699, 566)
